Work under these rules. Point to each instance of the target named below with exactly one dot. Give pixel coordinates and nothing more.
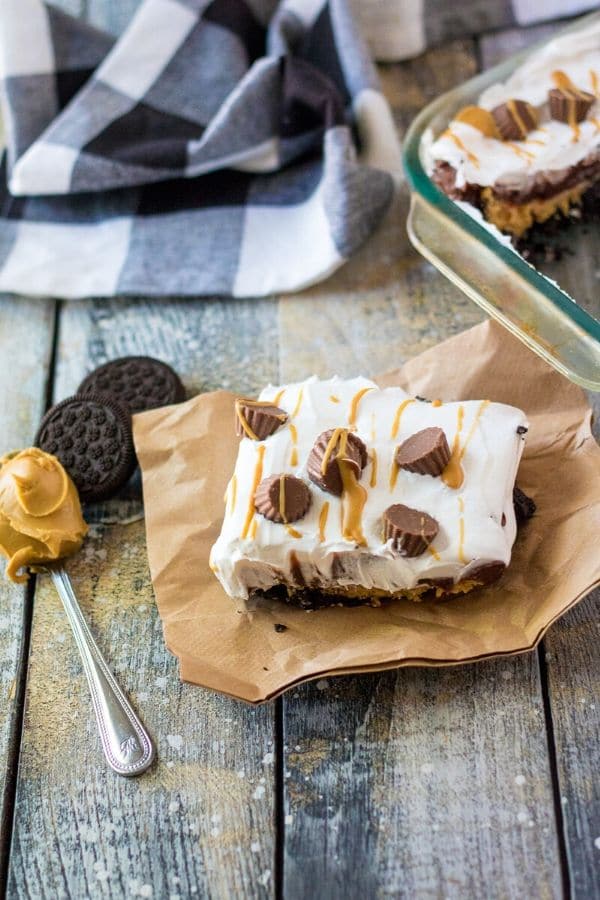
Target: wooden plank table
(466, 782)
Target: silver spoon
(126, 743)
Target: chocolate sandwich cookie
(138, 382)
(91, 436)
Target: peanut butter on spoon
(40, 512)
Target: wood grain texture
(572, 650)
(25, 345)
(420, 783)
(200, 823)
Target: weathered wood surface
(201, 821)
(412, 783)
(25, 341)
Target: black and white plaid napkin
(236, 147)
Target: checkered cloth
(236, 147)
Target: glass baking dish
(532, 305)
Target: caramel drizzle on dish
(331, 445)
(323, 520)
(277, 398)
(373, 479)
(238, 411)
(478, 118)
(394, 469)
(292, 532)
(564, 83)
(431, 549)
(456, 140)
(258, 469)
(514, 111)
(524, 154)
(353, 412)
(461, 532)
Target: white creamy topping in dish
(554, 145)
(254, 552)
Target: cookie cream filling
(554, 145)
(471, 500)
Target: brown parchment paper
(187, 453)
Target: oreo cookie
(138, 382)
(91, 436)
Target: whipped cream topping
(252, 552)
(554, 145)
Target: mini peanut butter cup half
(411, 530)
(257, 419)
(282, 498)
(569, 105)
(515, 119)
(330, 448)
(485, 573)
(426, 452)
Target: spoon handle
(126, 744)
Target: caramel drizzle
(232, 494)
(277, 398)
(298, 403)
(373, 432)
(338, 434)
(293, 431)
(536, 142)
(461, 532)
(373, 480)
(436, 403)
(594, 80)
(238, 411)
(282, 498)
(354, 497)
(323, 520)
(514, 111)
(354, 405)
(398, 416)
(394, 469)
(292, 532)
(478, 118)
(564, 83)
(253, 528)
(456, 140)
(258, 469)
(453, 474)
(431, 549)
(334, 399)
(294, 453)
(524, 154)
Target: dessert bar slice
(346, 493)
